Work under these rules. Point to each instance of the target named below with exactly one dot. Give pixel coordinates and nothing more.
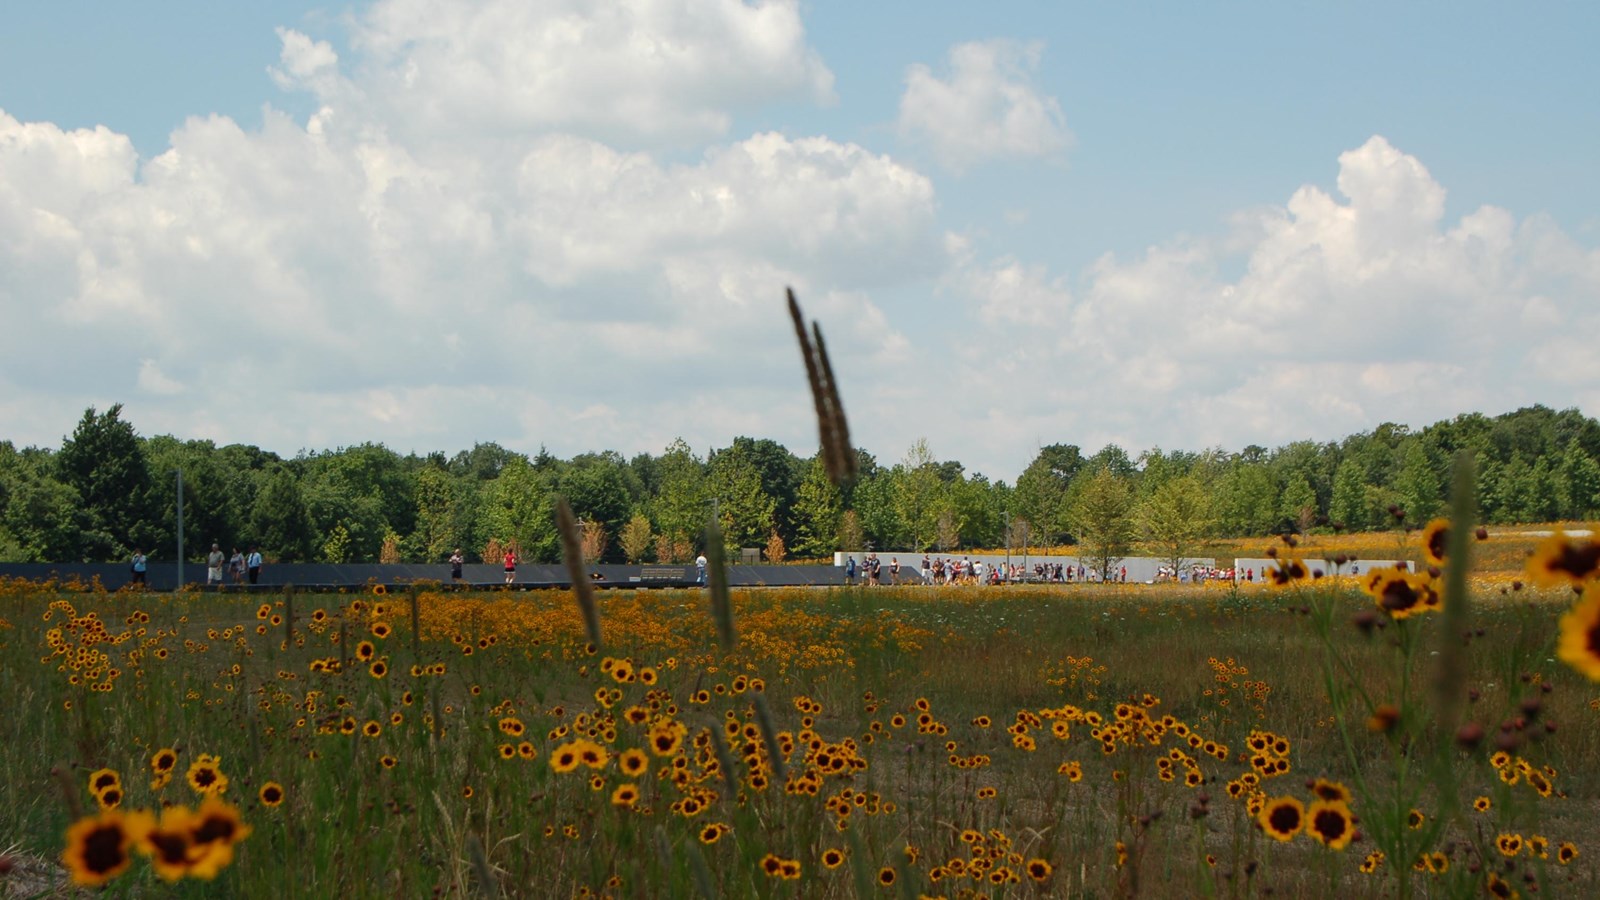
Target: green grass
(352, 828)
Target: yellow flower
(1329, 823)
(205, 775)
(1282, 818)
(1436, 541)
(98, 846)
(1579, 643)
(1560, 561)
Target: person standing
(850, 571)
(252, 564)
(137, 567)
(236, 566)
(456, 561)
(214, 566)
(700, 569)
(510, 565)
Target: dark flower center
(1285, 819)
(103, 850)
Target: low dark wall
(164, 576)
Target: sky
(556, 224)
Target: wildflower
(1499, 887)
(205, 775)
(102, 779)
(168, 844)
(213, 831)
(1560, 561)
(886, 876)
(1329, 822)
(633, 762)
(1383, 719)
(1539, 846)
(526, 750)
(713, 832)
(271, 794)
(1287, 571)
(1415, 819)
(163, 760)
(1579, 643)
(98, 846)
(1282, 818)
(626, 795)
(1039, 870)
(832, 858)
(1372, 862)
(388, 762)
(1330, 790)
(1481, 804)
(1508, 844)
(772, 864)
(109, 798)
(564, 758)
(1566, 853)
(1436, 541)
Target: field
(1090, 741)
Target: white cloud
(1350, 311)
(634, 72)
(349, 278)
(536, 271)
(987, 108)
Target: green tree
(873, 500)
(1101, 518)
(596, 486)
(1419, 480)
(103, 462)
(1298, 503)
(441, 523)
(1176, 518)
(745, 509)
(680, 506)
(280, 521)
(817, 510)
(43, 516)
(917, 489)
(1581, 476)
(518, 510)
(1348, 507)
(1246, 499)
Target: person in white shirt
(700, 568)
(214, 566)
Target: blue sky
(1057, 278)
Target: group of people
(938, 570)
(241, 568)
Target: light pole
(180, 526)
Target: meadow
(1332, 738)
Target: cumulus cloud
(351, 277)
(1351, 310)
(988, 107)
(635, 72)
(403, 265)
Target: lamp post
(180, 526)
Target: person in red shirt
(511, 565)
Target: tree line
(108, 490)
